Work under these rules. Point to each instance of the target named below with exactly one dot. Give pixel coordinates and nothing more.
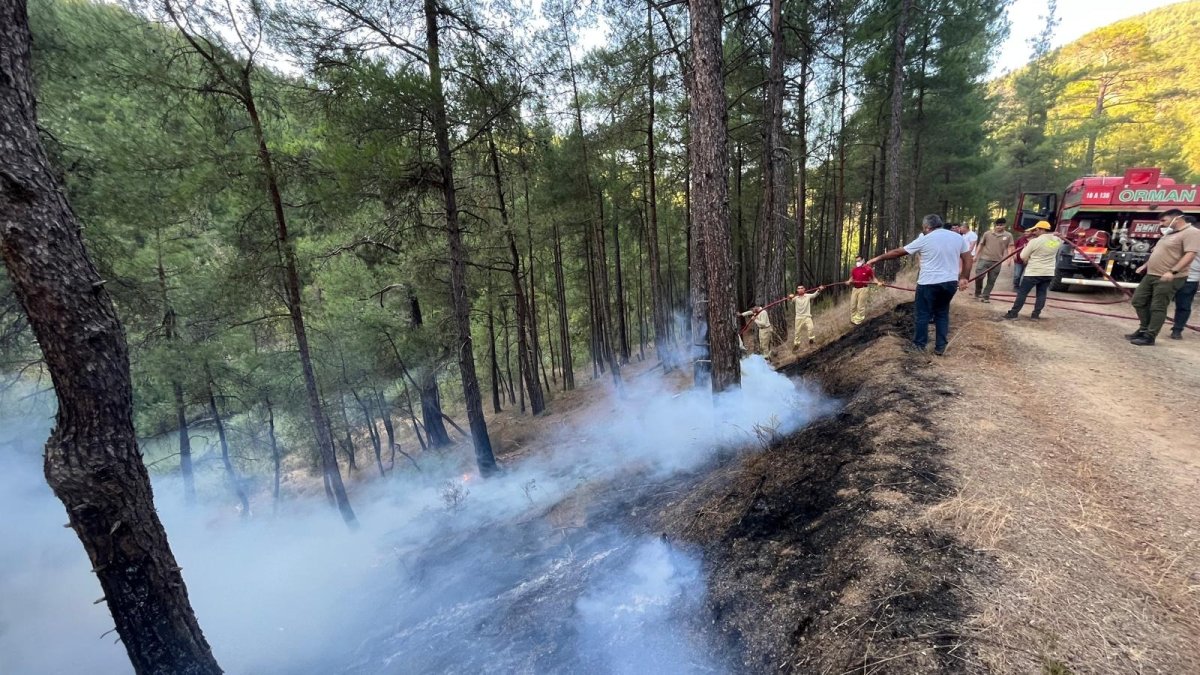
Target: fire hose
(1125, 294)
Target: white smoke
(443, 576)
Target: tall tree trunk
(185, 444)
(185, 440)
(1089, 157)
(891, 199)
(564, 329)
(92, 461)
(595, 235)
(659, 307)
(276, 458)
(622, 312)
(710, 162)
(865, 240)
(918, 128)
(593, 312)
(553, 356)
(641, 301)
(431, 412)
(534, 336)
(525, 352)
(773, 223)
(746, 269)
(496, 407)
(235, 483)
(412, 417)
(839, 203)
(348, 446)
(512, 393)
(802, 160)
(372, 430)
(385, 413)
(294, 304)
(460, 299)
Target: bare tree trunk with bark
(92, 461)
(773, 223)
(710, 163)
(890, 225)
(460, 299)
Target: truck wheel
(1058, 286)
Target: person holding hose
(762, 324)
(1166, 273)
(861, 278)
(994, 246)
(945, 269)
(802, 305)
(1039, 257)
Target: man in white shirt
(969, 235)
(945, 268)
(1184, 296)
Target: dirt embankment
(1026, 503)
(817, 554)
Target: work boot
(985, 299)
(1143, 340)
(1009, 316)
(1135, 334)
(913, 349)
(1035, 317)
(939, 351)
(1176, 335)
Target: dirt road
(1077, 459)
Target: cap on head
(1042, 225)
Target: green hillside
(1124, 95)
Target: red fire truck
(1114, 219)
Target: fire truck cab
(1113, 219)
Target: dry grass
(982, 519)
(1100, 560)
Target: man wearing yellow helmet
(1039, 257)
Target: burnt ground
(807, 546)
(990, 511)
(815, 557)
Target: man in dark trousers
(945, 268)
(1166, 273)
(994, 246)
(1185, 295)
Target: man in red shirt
(861, 278)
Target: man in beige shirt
(1166, 272)
(762, 324)
(994, 246)
(802, 306)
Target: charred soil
(816, 550)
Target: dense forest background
(239, 166)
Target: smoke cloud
(530, 571)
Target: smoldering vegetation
(540, 569)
